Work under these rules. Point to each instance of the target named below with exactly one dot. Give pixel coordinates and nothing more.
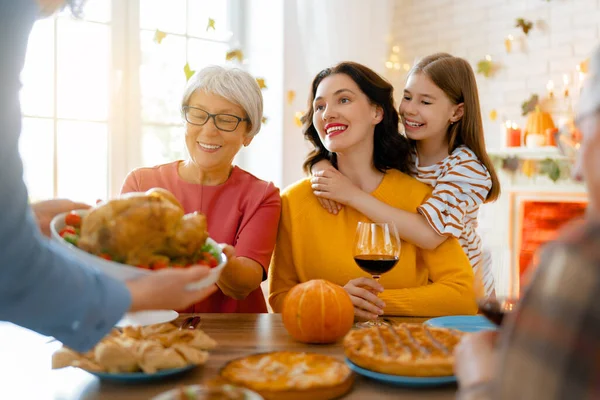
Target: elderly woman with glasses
(223, 109)
(549, 348)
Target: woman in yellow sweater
(352, 122)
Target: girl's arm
(412, 227)
(463, 187)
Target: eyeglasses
(223, 122)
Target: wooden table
(25, 360)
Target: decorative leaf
(236, 53)
(584, 66)
(524, 24)
(188, 71)
(261, 83)
(298, 118)
(551, 168)
(291, 95)
(485, 67)
(159, 36)
(529, 168)
(529, 105)
(510, 164)
(210, 25)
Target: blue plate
(406, 381)
(465, 323)
(141, 376)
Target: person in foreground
(352, 123)
(42, 286)
(222, 108)
(549, 348)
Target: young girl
(442, 118)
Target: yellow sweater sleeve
(282, 271)
(450, 291)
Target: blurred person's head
(350, 108)
(587, 167)
(441, 103)
(222, 108)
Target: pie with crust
(403, 349)
(290, 375)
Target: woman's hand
(331, 184)
(363, 293)
(241, 276)
(44, 211)
(474, 358)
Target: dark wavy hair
(390, 148)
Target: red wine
(496, 309)
(375, 264)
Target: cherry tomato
(73, 219)
(159, 265)
(67, 230)
(211, 261)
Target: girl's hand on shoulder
(332, 185)
(332, 206)
(363, 293)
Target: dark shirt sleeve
(42, 287)
(550, 346)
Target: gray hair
(235, 85)
(590, 94)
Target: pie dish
(414, 350)
(290, 375)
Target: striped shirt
(460, 184)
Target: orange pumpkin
(317, 311)
(538, 123)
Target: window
(162, 79)
(65, 106)
(98, 100)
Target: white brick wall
(564, 34)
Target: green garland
(552, 168)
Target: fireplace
(536, 218)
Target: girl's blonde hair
(455, 77)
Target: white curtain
(332, 31)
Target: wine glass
(494, 307)
(376, 251)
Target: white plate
(197, 390)
(144, 318)
(125, 272)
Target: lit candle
(513, 134)
(508, 43)
(566, 85)
(550, 87)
